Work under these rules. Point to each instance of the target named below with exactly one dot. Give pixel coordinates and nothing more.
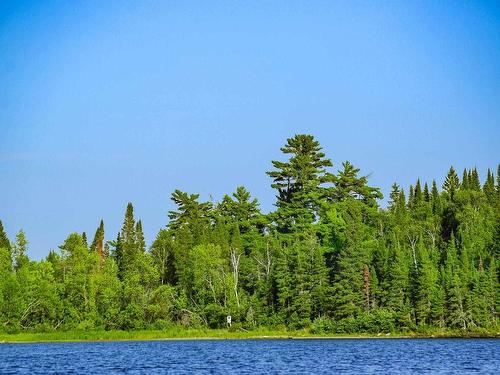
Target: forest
(328, 258)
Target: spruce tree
(128, 228)
(427, 196)
(474, 182)
(435, 199)
(394, 197)
(424, 286)
(141, 242)
(117, 253)
(489, 187)
(84, 238)
(411, 197)
(457, 315)
(19, 250)
(451, 183)
(498, 184)
(483, 298)
(98, 241)
(396, 286)
(351, 255)
(402, 201)
(4, 241)
(465, 180)
(418, 193)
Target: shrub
(215, 316)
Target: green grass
(173, 333)
(182, 333)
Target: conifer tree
(327, 259)
(418, 193)
(451, 183)
(191, 215)
(402, 201)
(141, 242)
(240, 208)
(465, 180)
(117, 253)
(435, 199)
(351, 256)
(19, 250)
(349, 185)
(474, 183)
(98, 241)
(457, 315)
(299, 181)
(396, 286)
(427, 196)
(482, 298)
(4, 241)
(489, 187)
(84, 238)
(498, 183)
(128, 228)
(411, 197)
(394, 197)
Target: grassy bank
(177, 333)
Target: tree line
(328, 258)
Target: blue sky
(102, 103)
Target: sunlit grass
(182, 333)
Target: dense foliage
(328, 258)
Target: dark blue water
(352, 356)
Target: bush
(43, 328)
(376, 322)
(132, 317)
(322, 325)
(297, 322)
(274, 320)
(161, 324)
(215, 316)
(85, 325)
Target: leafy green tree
(164, 257)
(108, 295)
(78, 293)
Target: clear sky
(106, 102)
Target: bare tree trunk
(235, 263)
(413, 243)
(366, 288)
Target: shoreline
(195, 335)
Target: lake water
(349, 356)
